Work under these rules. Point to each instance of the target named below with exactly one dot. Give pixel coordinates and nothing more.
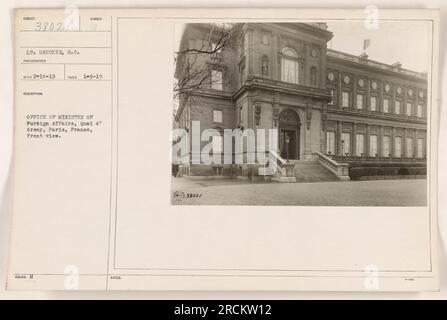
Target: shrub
(356, 172)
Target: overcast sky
(406, 42)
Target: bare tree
(195, 62)
(196, 74)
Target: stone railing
(278, 168)
(350, 158)
(341, 170)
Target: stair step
(312, 171)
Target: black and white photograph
(328, 113)
(240, 152)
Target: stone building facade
(284, 76)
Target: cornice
(254, 82)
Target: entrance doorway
(289, 135)
(288, 150)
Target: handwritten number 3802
(49, 26)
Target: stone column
(404, 103)
(323, 129)
(424, 145)
(275, 62)
(392, 108)
(404, 142)
(250, 54)
(354, 139)
(415, 142)
(380, 97)
(393, 135)
(380, 142)
(339, 94)
(367, 153)
(307, 137)
(339, 129)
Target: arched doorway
(289, 135)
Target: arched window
(313, 76)
(289, 65)
(265, 66)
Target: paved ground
(353, 193)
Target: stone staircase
(312, 171)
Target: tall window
(373, 104)
(408, 109)
(313, 76)
(398, 147)
(373, 145)
(360, 144)
(359, 101)
(216, 80)
(386, 146)
(265, 66)
(330, 142)
(409, 147)
(397, 107)
(217, 144)
(420, 146)
(419, 111)
(217, 116)
(386, 105)
(346, 143)
(289, 66)
(345, 99)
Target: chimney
(363, 56)
(397, 65)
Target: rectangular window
(373, 152)
(373, 104)
(420, 148)
(419, 110)
(386, 146)
(216, 80)
(345, 99)
(409, 109)
(397, 107)
(346, 143)
(398, 147)
(290, 71)
(386, 105)
(360, 101)
(217, 116)
(330, 142)
(410, 147)
(360, 145)
(217, 144)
